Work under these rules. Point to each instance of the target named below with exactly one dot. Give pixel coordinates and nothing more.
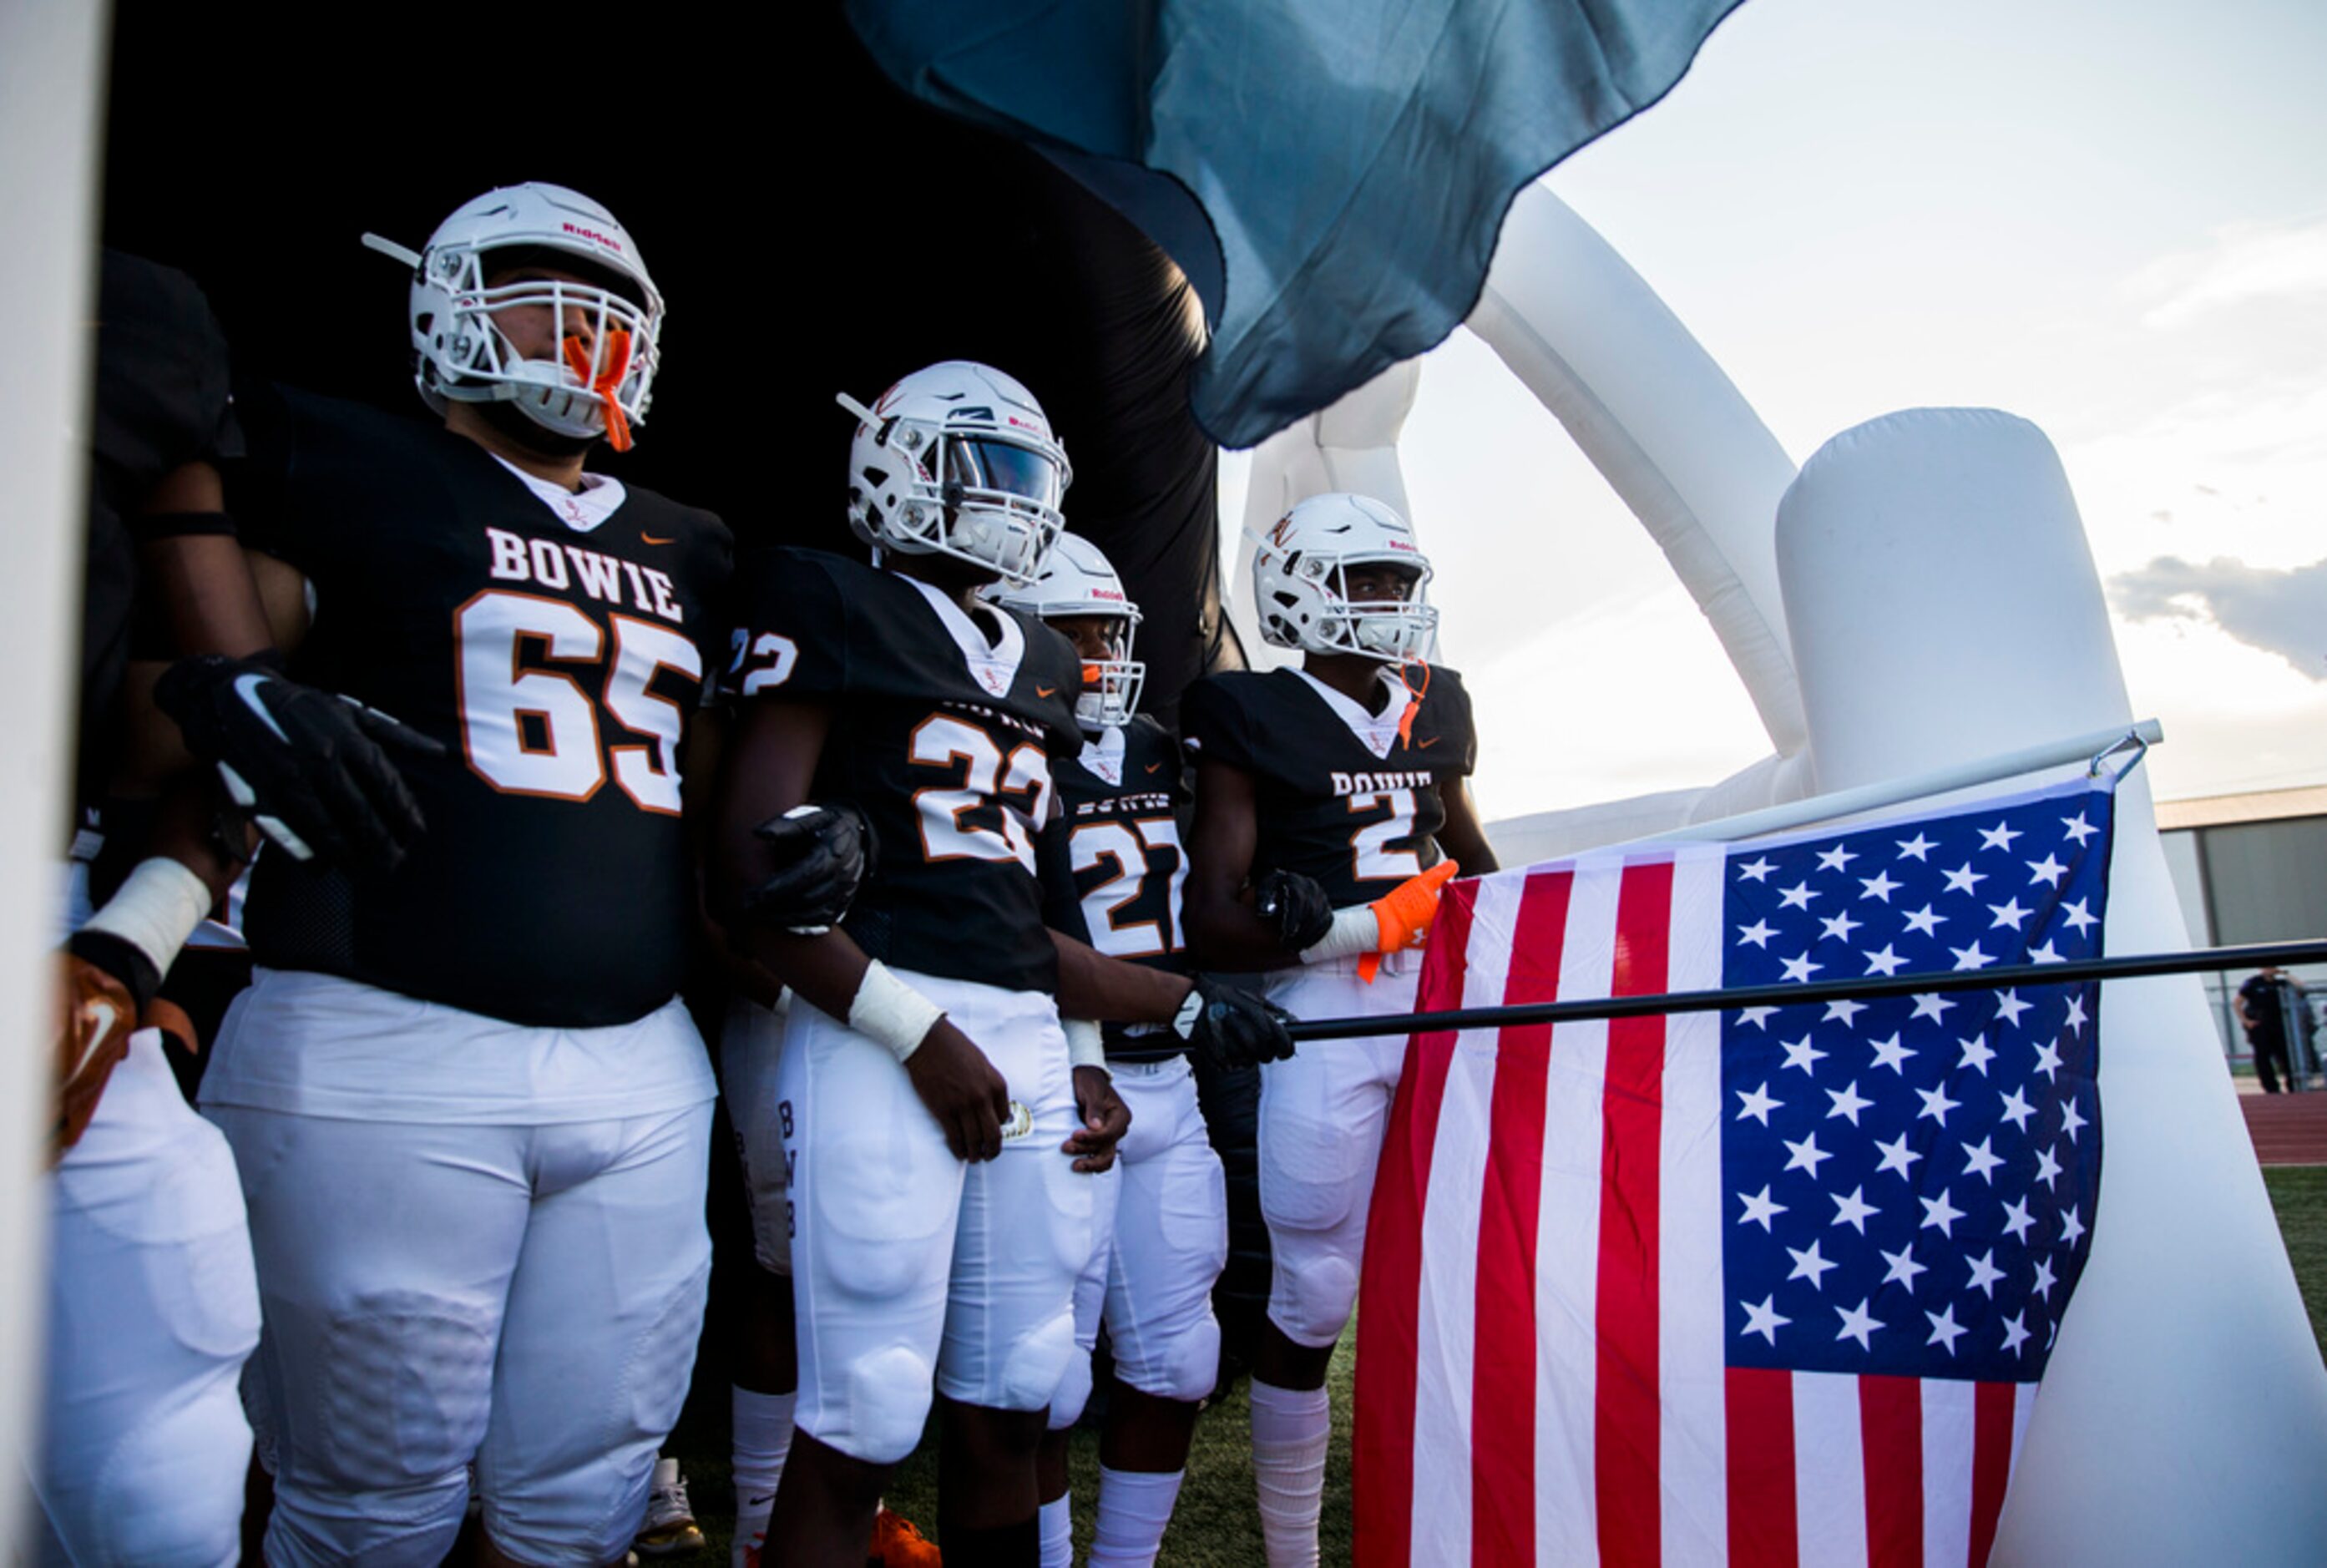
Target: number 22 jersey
(943, 725)
(557, 654)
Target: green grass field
(1217, 1525)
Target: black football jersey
(1340, 796)
(162, 402)
(1120, 799)
(557, 666)
(945, 729)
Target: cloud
(2243, 263)
(2283, 612)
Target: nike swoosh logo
(651, 539)
(1044, 691)
(1152, 766)
(103, 1015)
(247, 688)
(1426, 745)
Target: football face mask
(1111, 686)
(575, 358)
(534, 295)
(1318, 579)
(957, 460)
(1076, 584)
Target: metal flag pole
(2254, 955)
(2091, 749)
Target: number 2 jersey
(1119, 799)
(944, 726)
(557, 651)
(1339, 795)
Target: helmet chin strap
(1413, 701)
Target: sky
(2108, 218)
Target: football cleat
(896, 1543)
(670, 1530)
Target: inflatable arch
(1920, 595)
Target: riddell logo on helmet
(608, 241)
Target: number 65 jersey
(556, 647)
(943, 728)
(1338, 795)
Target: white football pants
(153, 1309)
(908, 1265)
(527, 1296)
(1324, 1113)
(750, 1048)
(1171, 1236)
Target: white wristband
(1356, 929)
(157, 907)
(1086, 1044)
(891, 1013)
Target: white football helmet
(1077, 581)
(957, 460)
(462, 356)
(1299, 595)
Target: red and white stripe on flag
(1541, 1375)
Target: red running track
(2287, 1129)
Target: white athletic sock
(1059, 1531)
(763, 1437)
(1134, 1507)
(1290, 1430)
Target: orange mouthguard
(617, 358)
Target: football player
(1121, 797)
(939, 1137)
(468, 1112)
(152, 1309)
(1330, 807)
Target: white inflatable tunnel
(1921, 596)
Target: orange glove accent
(617, 359)
(1405, 914)
(95, 1017)
(171, 1020)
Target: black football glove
(313, 769)
(1231, 1028)
(1296, 907)
(821, 853)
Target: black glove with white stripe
(313, 771)
(1229, 1028)
(817, 856)
(1296, 906)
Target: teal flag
(1331, 174)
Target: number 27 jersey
(942, 729)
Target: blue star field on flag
(1909, 1182)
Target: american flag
(1768, 1285)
